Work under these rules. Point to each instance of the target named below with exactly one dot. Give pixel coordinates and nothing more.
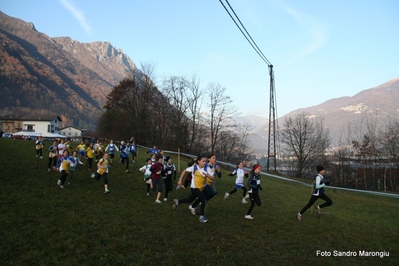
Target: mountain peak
(53, 72)
(103, 54)
(32, 26)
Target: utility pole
(271, 150)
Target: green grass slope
(42, 224)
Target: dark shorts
(157, 184)
(105, 176)
(168, 184)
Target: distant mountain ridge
(56, 75)
(380, 103)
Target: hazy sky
(319, 49)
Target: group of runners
(204, 171)
(64, 158)
(159, 172)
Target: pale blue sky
(320, 49)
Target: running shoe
(192, 210)
(175, 203)
(249, 217)
(202, 219)
(319, 210)
(299, 216)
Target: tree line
(176, 114)
(179, 114)
(365, 157)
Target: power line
(249, 38)
(273, 134)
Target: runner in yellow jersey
(102, 171)
(90, 155)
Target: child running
(72, 167)
(146, 170)
(100, 150)
(254, 186)
(240, 172)
(210, 187)
(61, 148)
(197, 186)
(153, 158)
(188, 177)
(133, 149)
(68, 146)
(111, 150)
(170, 172)
(318, 193)
(81, 149)
(102, 171)
(215, 170)
(63, 165)
(156, 177)
(121, 147)
(124, 152)
(90, 155)
(52, 155)
(39, 147)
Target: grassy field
(42, 224)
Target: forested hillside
(40, 75)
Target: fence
(384, 194)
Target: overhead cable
(249, 38)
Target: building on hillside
(11, 123)
(31, 123)
(71, 132)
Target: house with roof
(39, 124)
(11, 123)
(71, 132)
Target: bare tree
(233, 143)
(343, 169)
(175, 90)
(196, 123)
(184, 96)
(389, 139)
(365, 143)
(228, 145)
(220, 111)
(307, 139)
(244, 130)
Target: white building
(41, 124)
(71, 132)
